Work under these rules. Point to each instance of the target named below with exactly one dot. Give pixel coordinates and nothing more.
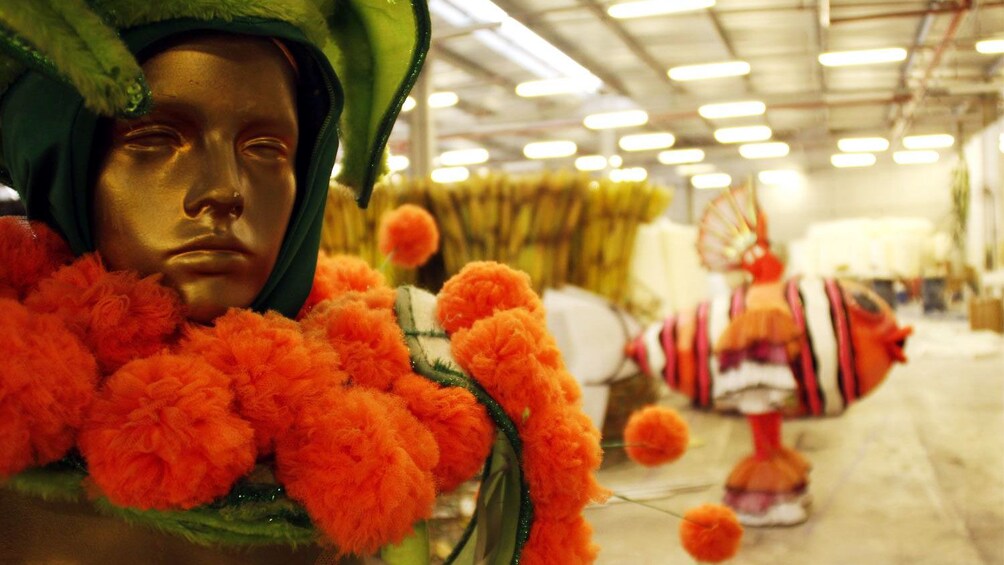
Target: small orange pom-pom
(711, 533)
(118, 315)
(656, 435)
(482, 288)
(47, 381)
(569, 538)
(29, 252)
(162, 434)
(408, 236)
(338, 275)
(362, 469)
(275, 370)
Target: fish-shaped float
(850, 340)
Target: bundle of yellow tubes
(559, 227)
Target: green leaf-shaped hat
(66, 63)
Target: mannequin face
(202, 188)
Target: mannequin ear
(69, 42)
(377, 51)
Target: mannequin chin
(202, 188)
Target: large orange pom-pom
(711, 533)
(162, 434)
(47, 380)
(655, 435)
(369, 342)
(460, 424)
(28, 253)
(118, 315)
(479, 290)
(362, 470)
(408, 235)
(343, 274)
(275, 370)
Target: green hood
(358, 61)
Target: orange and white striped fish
(850, 339)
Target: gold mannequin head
(202, 188)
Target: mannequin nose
(216, 190)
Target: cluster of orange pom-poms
(169, 416)
(498, 335)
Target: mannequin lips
(212, 254)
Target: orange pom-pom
(369, 342)
(274, 369)
(408, 236)
(342, 274)
(568, 538)
(118, 315)
(482, 288)
(29, 252)
(460, 424)
(162, 434)
(362, 470)
(560, 461)
(47, 380)
(711, 533)
(655, 435)
(501, 352)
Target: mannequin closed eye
(268, 148)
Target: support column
(422, 130)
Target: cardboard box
(986, 313)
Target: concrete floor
(913, 474)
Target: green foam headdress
(66, 63)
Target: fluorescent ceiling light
(933, 141)
(647, 141)
(615, 161)
(549, 149)
(915, 157)
(443, 99)
(845, 160)
(644, 8)
(862, 57)
(591, 163)
(711, 180)
(863, 144)
(732, 109)
(779, 176)
(554, 86)
(990, 46)
(764, 150)
(621, 119)
(512, 40)
(743, 134)
(461, 157)
(409, 104)
(695, 169)
(709, 71)
(681, 156)
(630, 174)
(398, 163)
(446, 175)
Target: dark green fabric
(47, 140)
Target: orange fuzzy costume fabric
(47, 381)
(656, 435)
(31, 252)
(502, 342)
(342, 275)
(408, 235)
